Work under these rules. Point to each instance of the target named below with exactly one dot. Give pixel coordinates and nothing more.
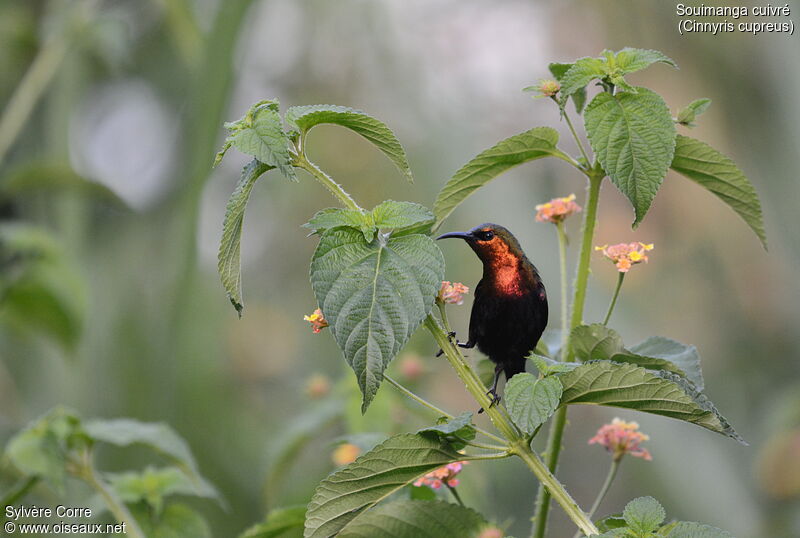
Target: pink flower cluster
(442, 476)
(622, 438)
(452, 292)
(626, 255)
(557, 209)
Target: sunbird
(509, 312)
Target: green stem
(559, 421)
(519, 445)
(614, 298)
(327, 181)
(612, 473)
(575, 136)
(18, 493)
(437, 410)
(114, 504)
(455, 494)
(562, 258)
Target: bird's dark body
(510, 311)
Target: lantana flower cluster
(452, 292)
(442, 476)
(317, 321)
(626, 255)
(557, 210)
(622, 438)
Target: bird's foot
(452, 337)
(495, 399)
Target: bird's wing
(476, 324)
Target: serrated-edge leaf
(684, 357)
(393, 464)
(390, 214)
(633, 136)
(307, 116)
(450, 426)
(416, 519)
(528, 146)
(633, 387)
(711, 169)
(630, 59)
(264, 139)
(595, 341)
(374, 296)
(531, 401)
(644, 514)
(583, 71)
(689, 529)
(228, 259)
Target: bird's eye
(486, 235)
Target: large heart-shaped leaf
(629, 60)
(711, 169)
(416, 519)
(345, 494)
(374, 295)
(228, 259)
(681, 355)
(533, 144)
(531, 401)
(633, 136)
(305, 117)
(455, 431)
(633, 387)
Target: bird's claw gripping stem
(495, 399)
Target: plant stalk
(559, 421)
(519, 444)
(614, 298)
(575, 136)
(612, 473)
(114, 504)
(562, 258)
(18, 493)
(327, 181)
(420, 400)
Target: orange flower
(626, 255)
(547, 88)
(445, 475)
(452, 292)
(622, 438)
(317, 321)
(345, 453)
(557, 209)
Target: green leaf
(633, 136)
(347, 493)
(41, 287)
(533, 144)
(685, 357)
(152, 485)
(43, 448)
(229, 262)
(558, 70)
(306, 117)
(374, 296)
(711, 169)
(547, 366)
(581, 73)
(154, 435)
(595, 341)
(687, 529)
(608, 523)
(416, 519)
(278, 522)
(629, 60)
(531, 401)
(644, 515)
(633, 387)
(260, 134)
(689, 113)
(177, 521)
(334, 217)
(598, 342)
(398, 215)
(455, 431)
(422, 493)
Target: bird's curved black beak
(459, 235)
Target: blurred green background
(113, 166)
